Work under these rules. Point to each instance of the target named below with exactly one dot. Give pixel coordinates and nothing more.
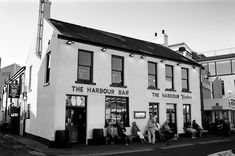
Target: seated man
(122, 132)
(136, 132)
(197, 128)
(188, 128)
(165, 129)
(112, 133)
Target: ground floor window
(154, 109)
(186, 112)
(116, 110)
(233, 118)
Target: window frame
(185, 79)
(185, 113)
(48, 68)
(151, 106)
(121, 72)
(155, 75)
(90, 81)
(172, 78)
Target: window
(169, 77)
(48, 67)
(116, 109)
(152, 75)
(222, 87)
(211, 66)
(185, 79)
(117, 71)
(85, 66)
(186, 112)
(223, 67)
(30, 77)
(233, 66)
(154, 109)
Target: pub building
(81, 78)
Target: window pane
(152, 68)
(116, 77)
(169, 84)
(116, 64)
(184, 84)
(184, 73)
(84, 73)
(223, 67)
(169, 71)
(84, 58)
(233, 66)
(151, 81)
(211, 68)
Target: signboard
(139, 114)
(171, 96)
(14, 91)
(232, 103)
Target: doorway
(171, 116)
(75, 121)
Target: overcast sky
(203, 24)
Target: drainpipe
(201, 97)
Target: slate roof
(110, 40)
(218, 57)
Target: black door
(15, 120)
(171, 116)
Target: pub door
(76, 124)
(15, 120)
(171, 116)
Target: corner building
(87, 78)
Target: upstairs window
(185, 79)
(48, 67)
(85, 67)
(117, 71)
(152, 75)
(211, 66)
(223, 67)
(169, 77)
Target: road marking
(177, 146)
(36, 153)
(214, 141)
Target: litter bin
(61, 138)
(98, 137)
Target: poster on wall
(14, 91)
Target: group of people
(193, 129)
(117, 132)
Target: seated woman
(165, 129)
(188, 129)
(112, 133)
(122, 132)
(197, 128)
(136, 132)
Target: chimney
(165, 38)
(162, 39)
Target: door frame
(175, 108)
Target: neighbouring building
(219, 98)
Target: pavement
(37, 148)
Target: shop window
(223, 67)
(30, 77)
(48, 67)
(185, 79)
(169, 77)
(186, 112)
(152, 75)
(85, 67)
(211, 67)
(116, 110)
(154, 109)
(117, 71)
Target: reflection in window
(116, 110)
(153, 109)
(185, 79)
(77, 101)
(223, 67)
(186, 112)
(152, 75)
(117, 71)
(169, 77)
(85, 66)
(211, 66)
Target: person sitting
(112, 135)
(165, 129)
(158, 132)
(122, 132)
(197, 128)
(136, 132)
(188, 128)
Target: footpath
(37, 148)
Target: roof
(218, 57)
(110, 40)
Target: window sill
(171, 90)
(46, 84)
(151, 88)
(85, 82)
(120, 86)
(186, 91)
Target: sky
(204, 25)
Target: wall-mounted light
(143, 56)
(132, 55)
(104, 49)
(162, 60)
(69, 42)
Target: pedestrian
(151, 125)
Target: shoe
(126, 143)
